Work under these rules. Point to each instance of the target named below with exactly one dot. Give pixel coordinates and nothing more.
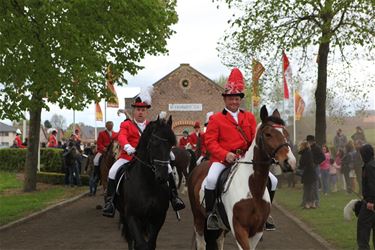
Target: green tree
(58, 51)
(270, 26)
(47, 124)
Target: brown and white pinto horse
(245, 198)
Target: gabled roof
(188, 65)
(6, 128)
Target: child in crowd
(333, 171)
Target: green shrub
(13, 159)
(58, 178)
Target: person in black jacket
(318, 157)
(366, 217)
(309, 177)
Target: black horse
(184, 163)
(143, 198)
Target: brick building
(187, 95)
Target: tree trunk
(31, 166)
(321, 94)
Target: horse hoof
(99, 207)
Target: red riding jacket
(128, 134)
(183, 142)
(194, 140)
(104, 139)
(222, 135)
(52, 141)
(19, 142)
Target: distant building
(7, 135)
(187, 95)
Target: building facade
(187, 95)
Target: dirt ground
(79, 225)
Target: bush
(13, 159)
(58, 178)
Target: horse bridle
(270, 157)
(154, 162)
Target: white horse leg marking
(253, 241)
(199, 240)
(220, 241)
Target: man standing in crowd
(318, 157)
(340, 140)
(366, 216)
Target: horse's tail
(193, 246)
(351, 207)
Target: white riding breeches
(217, 167)
(119, 163)
(96, 159)
(115, 167)
(213, 174)
(274, 181)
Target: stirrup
(212, 222)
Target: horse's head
(272, 137)
(155, 146)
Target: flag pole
(105, 111)
(96, 127)
(294, 115)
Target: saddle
(123, 174)
(219, 208)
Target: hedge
(13, 159)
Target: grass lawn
(327, 220)
(15, 204)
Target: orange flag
(258, 70)
(113, 103)
(98, 112)
(300, 106)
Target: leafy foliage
(58, 51)
(261, 29)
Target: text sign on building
(185, 107)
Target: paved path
(79, 225)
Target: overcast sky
(198, 30)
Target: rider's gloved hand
(129, 149)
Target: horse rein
(157, 162)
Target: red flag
(287, 75)
(98, 112)
(113, 103)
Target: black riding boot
(212, 220)
(109, 208)
(176, 202)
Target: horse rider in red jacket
(195, 136)
(105, 137)
(184, 141)
(52, 140)
(128, 138)
(229, 135)
(18, 141)
(204, 152)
